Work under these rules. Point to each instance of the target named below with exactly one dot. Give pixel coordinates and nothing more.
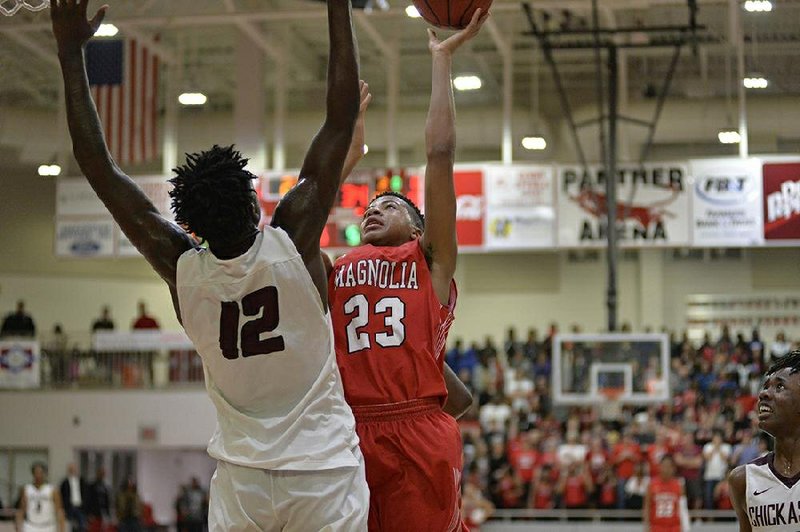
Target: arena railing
(130, 360)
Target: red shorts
(412, 452)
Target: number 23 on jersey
(391, 309)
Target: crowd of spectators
(523, 451)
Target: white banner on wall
(520, 207)
(84, 238)
(726, 202)
(19, 364)
(85, 228)
(652, 205)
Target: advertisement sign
(781, 201)
(19, 364)
(652, 205)
(726, 206)
(470, 208)
(84, 238)
(520, 210)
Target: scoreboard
(343, 228)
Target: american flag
(123, 75)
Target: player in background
(254, 303)
(665, 507)
(766, 492)
(392, 302)
(40, 507)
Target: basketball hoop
(10, 7)
(611, 395)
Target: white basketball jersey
(773, 501)
(41, 509)
(267, 347)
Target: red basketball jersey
(389, 327)
(664, 502)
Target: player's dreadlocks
(416, 215)
(213, 195)
(791, 361)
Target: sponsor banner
(20, 364)
(727, 202)
(84, 238)
(470, 208)
(75, 197)
(520, 210)
(781, 202)
(652, 205)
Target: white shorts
(248, 499)
(30, 527)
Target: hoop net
(10, 7)
(610, 406)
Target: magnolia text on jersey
(377, 272)
(780, 513)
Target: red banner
(782, 201)
(470, 207)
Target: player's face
(387, 222)
(667, 469)
(38, 474)
(779, 402)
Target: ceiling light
(106, 30)
(366, 149)
(192, 98)
(49, 170)
(412, 12)
(753, 6)
(467, 83)
(729, 137)
(755, 82)
(534, 143)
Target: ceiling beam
(166, 54)
(33, 46)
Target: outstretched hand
(366, 97)
(452, 43)
(70, 26)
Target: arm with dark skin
(159, 240)
(459, 398)
(303, 212)
(738, 482)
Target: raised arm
(356, 150)
(160, 241)
(439, 238)
(459, 398)
(304, 210)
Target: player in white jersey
(40, 505)
(766, 492)
(254, 302)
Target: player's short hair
(38, 464)
(213, 195)
(791, 361)
(416, 215)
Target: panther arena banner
(470, 207)
(781, 202)
(652, 205)
(520, 207)
(19, 364)
(726, 208)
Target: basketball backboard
(596, 368)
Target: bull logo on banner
(651, 205)
(782, 201)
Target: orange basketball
(454, 14)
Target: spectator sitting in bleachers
(18, 323)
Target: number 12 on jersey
(265, 299)
(393, 310)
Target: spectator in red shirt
(143, 321)
(596, 458)
(542, 495)
(625, 455)
(575, 486)
(606, 486)
(689, 459)
(523, 462)
(656, 451)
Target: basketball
(453, 14)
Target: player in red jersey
(392, 302)
(665, 508)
